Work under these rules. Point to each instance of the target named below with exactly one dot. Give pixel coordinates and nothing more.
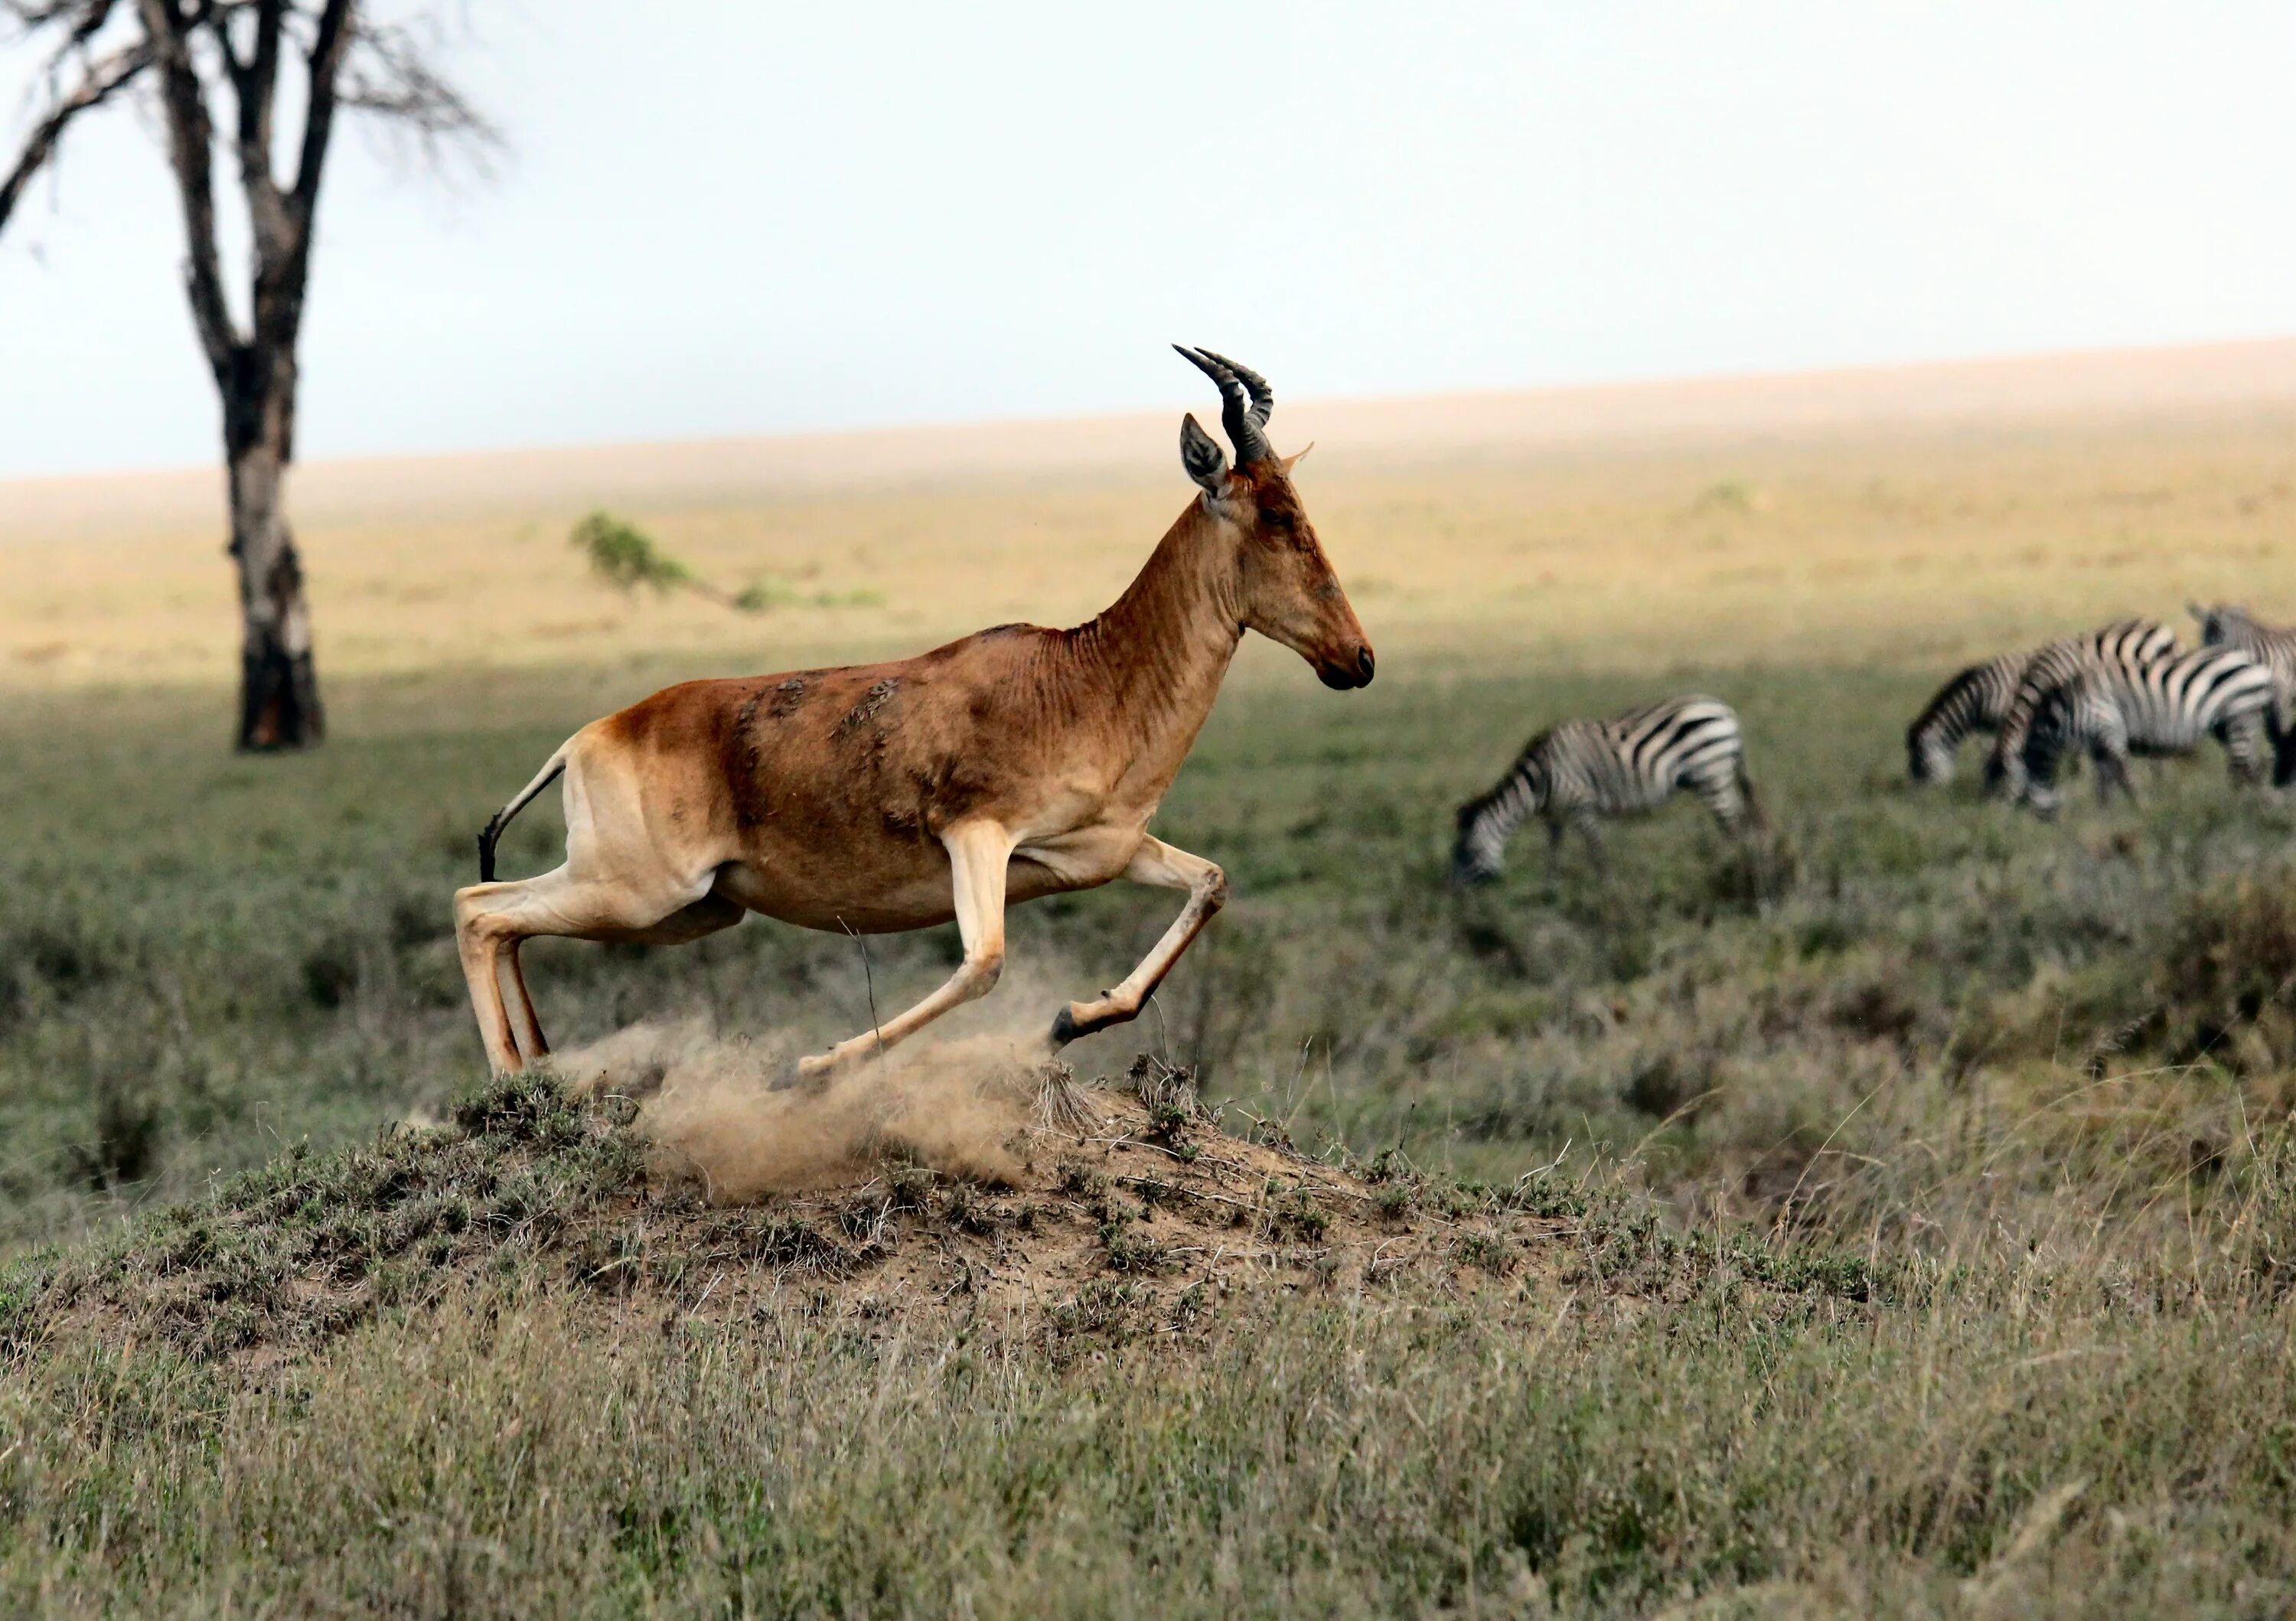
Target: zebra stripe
(2121, 649)
(2167, 707)
(2273, 646)
(1979, 699)
(1579, 771)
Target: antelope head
(1286, 589)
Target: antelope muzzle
(1345, 671)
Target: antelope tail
(500, 820)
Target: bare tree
(213, 69)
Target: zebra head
(1929, 756)
(1486, 822)
(1477, 855)
(2225, 625)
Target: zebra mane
(1527, 772)
(1951, 707)
(1491, 817)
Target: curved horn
(1263, 397)
(1241, 412)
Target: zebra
(2167, 707)
(1579, 771)
(1978, 698)
(2273, 646)
(2121, 649)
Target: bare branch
(389, 73)
(103, 79)
(325, 63)
(255, 83)
(31, 16)
(191, 136)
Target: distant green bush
(628, 559)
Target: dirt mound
(1119, 1201)
(1130, 1194)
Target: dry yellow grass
(1903, 517)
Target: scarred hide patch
(874, 700)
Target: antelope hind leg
(978, 854)
(480, 945)
(491, 918)
(525, 1022)
(1167, 867)
(705, 916)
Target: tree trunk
(278, 683)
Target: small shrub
(1488, 1252)
(1081, 1179)
(626, 557)
(1127, 1250)
(1294, 1216)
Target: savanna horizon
(1902, 516)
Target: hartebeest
(1018, 762)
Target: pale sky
(728, 219)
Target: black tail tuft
(486, 849)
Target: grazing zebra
(2121, 649)
(1978, 698)
(1581, 770)
(2166, 706)
(2273, 646)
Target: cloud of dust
(961, 1106)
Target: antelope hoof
(812, 1071)
(1084, 1018)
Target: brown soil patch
(1123, 1207)
(1142, 1204)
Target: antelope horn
(1263, 397)
(1245, 401)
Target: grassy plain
(1922, 1219)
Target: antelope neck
(1157, 654)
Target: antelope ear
(1296, 458)
(1200, 454)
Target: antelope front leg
(978, 854)
(1158, 864)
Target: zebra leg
(2112, 773)
(1590, 828)
(1731, 801)
(2274, 745)
(2244, 740)
(2037, 783)
(1755, 818)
